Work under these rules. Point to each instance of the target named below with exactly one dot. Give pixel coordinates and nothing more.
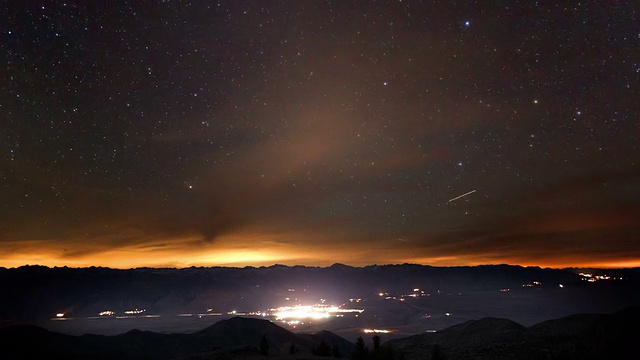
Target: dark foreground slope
(580, 337)
(28, 342)
(587, 336)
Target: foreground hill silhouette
(469, 332)
(585, 336)
(580, 337)
(244, 334)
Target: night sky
(236, 133)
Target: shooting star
(463, 195)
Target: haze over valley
(391, 300)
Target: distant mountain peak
(339, 266)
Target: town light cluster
(302, 312)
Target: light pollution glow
(260, 247)
(264, 251)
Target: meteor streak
(463, 195)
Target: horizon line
(317, 266)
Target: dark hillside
(579, 337)
(239, 333)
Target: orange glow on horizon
(121, 259)
(257, 249)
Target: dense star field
(309, 132)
